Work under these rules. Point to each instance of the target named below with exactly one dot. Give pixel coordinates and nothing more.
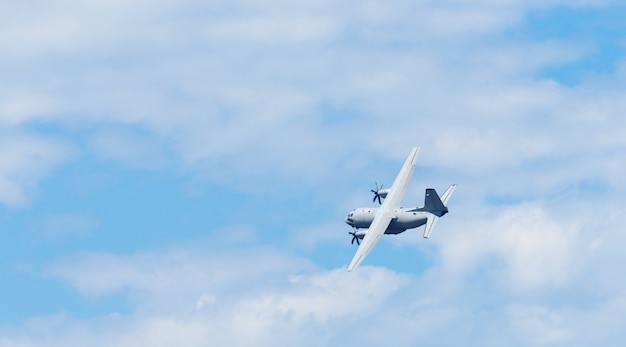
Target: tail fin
(433, 204)
(436, 206)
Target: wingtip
(351, 268)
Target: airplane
(390, 218)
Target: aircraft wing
(386, 212)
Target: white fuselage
(404, 219)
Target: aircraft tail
(436, 206)
(446, 196)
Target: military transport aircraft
(390, 218)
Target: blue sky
(178, 172)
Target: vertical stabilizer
(433, 204)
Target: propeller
(354, 237)
(376, 193)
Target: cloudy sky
(176, 173)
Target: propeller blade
(354, 238)
(376, 193)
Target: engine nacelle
(379, 193)
(383, 193)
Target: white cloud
(272, 30)
(260, 296)
(25, 159)
(18, 105)
(528, 248)
(268, 297)
(540, 326)
(257, 112)
(178, 272)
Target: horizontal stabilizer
(446, 196)
(430, 224)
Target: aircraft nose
(349, 221)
